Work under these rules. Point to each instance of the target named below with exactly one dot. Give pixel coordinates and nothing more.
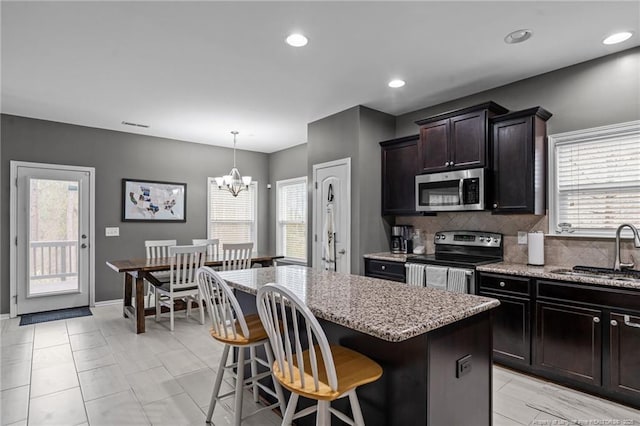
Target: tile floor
(95, 370)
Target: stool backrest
(158, 248)
(236, 256)
(223, 307)
(213, 245)
(185, 261)
(292, 328)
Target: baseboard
(4, 316)
(109, 302)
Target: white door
(52, 220)
(332, 203)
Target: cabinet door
(624, 354)
(511, 329)
(512, 166)
(468, 142)
(433, 148)
(399, 170)
(569, 341)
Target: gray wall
(594, 93)
(286, 164)
(355, 133)
(116, 155)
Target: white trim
(593, 134)
(13, 226)
(279, 183)
(340, 162)
(4, 317)
(108, 302)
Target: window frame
(254, 184)
(618, 130)
(279, 236)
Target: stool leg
(254, 372)
(158, 308)
(237, 413)
(358, 420)
(291, 409)
(323, 415)
(218, 382)
(276, 384)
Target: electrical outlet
(522, 237)
(112, 231)
(463, 366)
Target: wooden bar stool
(231, 327)
(321, 372)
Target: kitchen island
(434, 346)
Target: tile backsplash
(561, 251)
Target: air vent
(129, 123)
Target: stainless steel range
(452, 266)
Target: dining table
(136, 270)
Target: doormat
(59, 314)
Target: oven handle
(460, 185)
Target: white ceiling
(195, 71)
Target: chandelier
(234, 182)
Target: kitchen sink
(630, 275)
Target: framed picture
(153, 201)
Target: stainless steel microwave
(450, 191)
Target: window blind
(233, 219)
(292, 218)
(598, 181)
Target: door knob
(343, 251)
(83, 245)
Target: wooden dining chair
(236, 256)
(230, 326)
(157, 249)
(182, 284)
(306, 364)
(213, 245)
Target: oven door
(450, 191)
(459, 280)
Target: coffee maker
(401, 238)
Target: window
(291, 220)
(594, 183)
(233, 219)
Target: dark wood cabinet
(399, 170)
(457, 139)
(518, 144)
(624, 354)
(512, 319)
(569, 341)
(385, 269)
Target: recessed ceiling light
(297, 40)
(617, 37)
(396, 83)
(518, 36)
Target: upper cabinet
(399, 170)
(456, 139)
(519, 161)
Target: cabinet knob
(451, 163)
(596, 320)
(383, 267)
(502, 284)
(446, 163)
(614, 323)
(495, 205)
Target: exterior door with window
(52, 250)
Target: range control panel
(468, 238)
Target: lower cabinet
(584, 336)
(624, 354)
(569, 341)
(385, 269)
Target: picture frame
(153, 201)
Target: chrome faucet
(618, 265)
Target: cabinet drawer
(619, 298)
(381, 268)
(504, 284)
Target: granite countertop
(384, 309)
(393, 257)
(546, 272)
